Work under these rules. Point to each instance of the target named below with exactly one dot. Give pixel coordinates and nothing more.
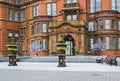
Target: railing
(71, 6)
(43, 18)
(68, 5)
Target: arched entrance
(69, 40)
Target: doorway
(69, 40)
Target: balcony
(71, 6)
(43, 18)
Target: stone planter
(12, 51)
(61, 47)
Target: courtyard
(39, 71)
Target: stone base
(12, 64)
(61, 66)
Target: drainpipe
(86, 26)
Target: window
(9, 1)
(40, 44)
(119, 25)
(113, 42)
(23, 15)
(118, 5)
(115, 5)
(23, 47)
(91, 43)
(22, 1)
(16, 2)
(71, 1)
(15, 35)
(113, 23)
(71, 17)
(10, 34)
(91, 26)
(74, 17)
(92, 6)
(101, 24)
(16, 38)
(10, 14)
(33, 30)
(35, 10)
(118, 43)
(107, 42)
(44, 27)
(51, 9)
(44, 44)
(98, 5)
(22, 31)
(95, 5)
(16, 15)
(107, 24)
(38, 27)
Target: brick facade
(43, 21)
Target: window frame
(50, 9)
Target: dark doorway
(69, 40)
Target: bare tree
(35, 47)
(99, 47)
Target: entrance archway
(69, 40)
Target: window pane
(74, 17)
(38, 28)
(10, 34)
(33, 30)
(74, 1)
(23, 48)
(107, 24)
(53, 9)
(23, 15)
(98, 5)
(113, 4)
(107, 42)
(37, 10)
(44, 44)
(9, 1)
(68, 1)
(69, 17)
(119, 25)
(16, 2)
(40, 44)
(44, 28)
(118, 5)
(91, 43)
(101, 24)
(48, 9)
(118, 43)
(91, 26)
(113, 43)
(16, 15)
(16, 34)
(10, 14)
(92, 6)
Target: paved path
(50, 72)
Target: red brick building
(43, 21)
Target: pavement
(39, 71)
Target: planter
(61, 47)
(12, 51)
